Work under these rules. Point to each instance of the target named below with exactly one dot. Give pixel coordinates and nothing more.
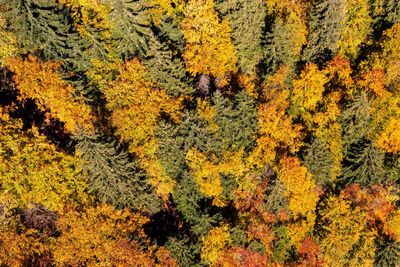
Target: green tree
(115, 178)
(247, 22)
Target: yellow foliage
(33, 171)
(88, 13)
(207, 112)
(276, 128)
(302, 195)
(160, 8)
(214, 243)
(206, 172)
(246, 81)
(99, 236)
(389, 138)
(300, 187)
(136, 106)
(309, 88)
(394, 224)
(8, 43)
(391, 56)
(347, 239)
(208, 49)
(356, 28)
(41, 82)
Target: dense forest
(200, 133)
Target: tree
(208, 48)
(300, 190)
(41, 82)
(286, 36)
(115, 178)
(166, 69)
(276, 128)
(345, 237)
(130, 27)
(100, 235)
(247, 22)
(54, 177)
(135, 107)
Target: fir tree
(115, 178)
(247, 21)
(167, 69)
(130, 25)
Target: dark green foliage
(183, 250)
(319, 161)
(175, 140)
(44, 28)
(239, 236)
(115, 178)
(355, 120)
(325, 26)
(363, 161)
(167, 69)
(246, 18)
(237, 121)
(130, 25)
(363, 164)
(392, 11)
(388, 253)
(195, 208)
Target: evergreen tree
(388, 253)
(115, 178)
(247, 22)
(236, 119)
(166, 68)
(130, 26)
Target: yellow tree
(346, 239)
(301, 191)
(206, 171)
(276, 127)
(135, 107)
(33, 171)
(41, 82)
(214, 243)
(100, 236)
(356, 28)
(208, 49)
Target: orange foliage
(136, 106)
(241, 257)
(100, 236)
(276, 128)
(42, 82)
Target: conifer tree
(166, 68)
(247, 22)
(130, 27)
(115, 178)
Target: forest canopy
(221, 133)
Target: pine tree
(166, 68)
(247, 22)
(130, 26)
(115, 178)
(236, 120)
(325, 27)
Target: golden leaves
(41, 82)
(208, 49)
(136, 106)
